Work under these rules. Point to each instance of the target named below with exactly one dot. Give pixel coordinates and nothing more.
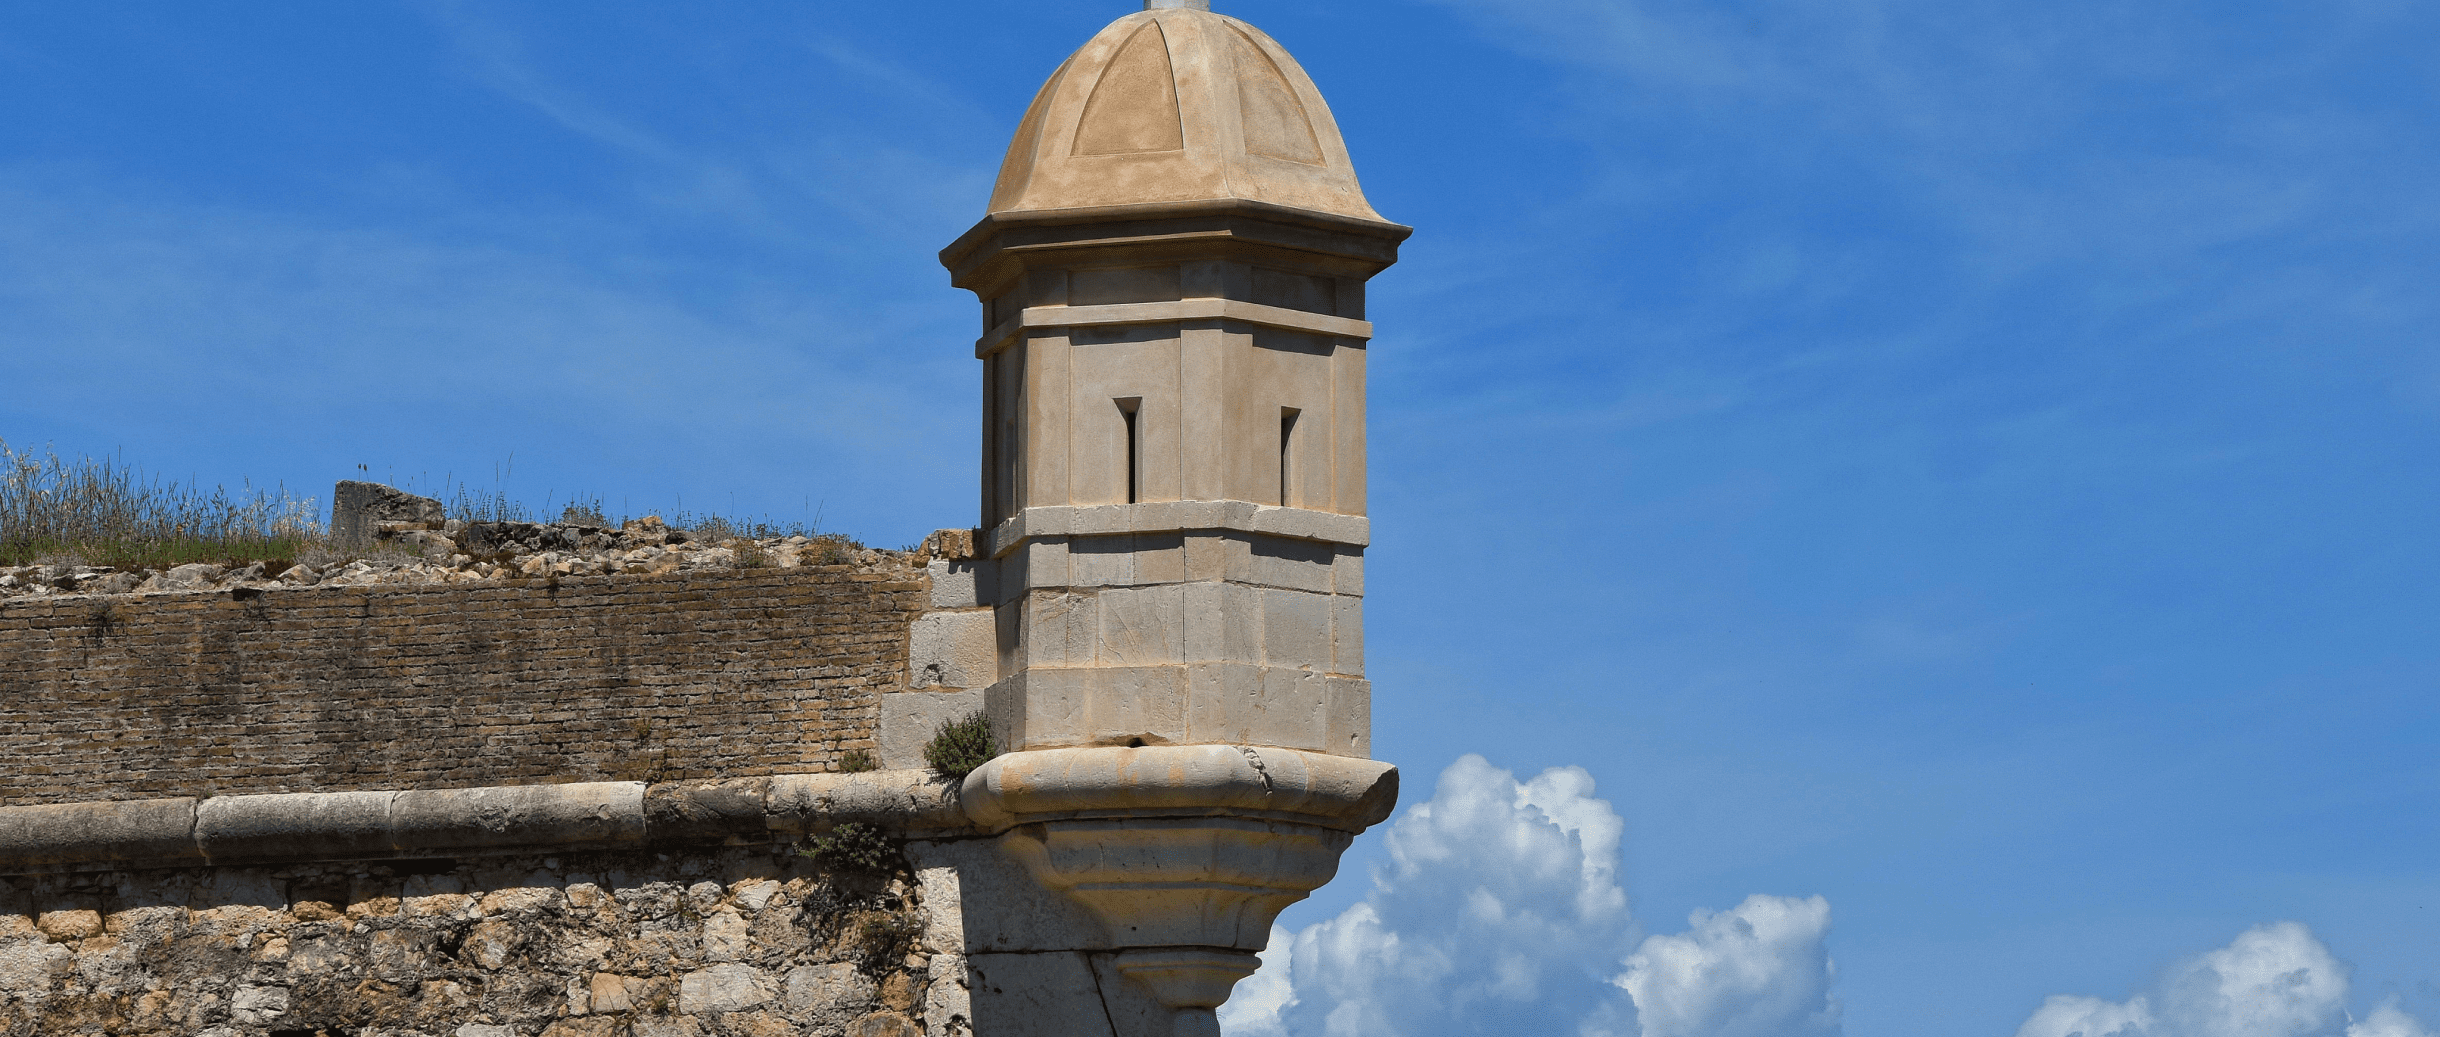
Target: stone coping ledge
(973, 248)
(1339, 792)
(1197, 309)
(328, 826)
(1176, 517)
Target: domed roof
(1179, 105)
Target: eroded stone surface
(455, 552)
(712, 674)
(714, 944)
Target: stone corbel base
(1184, 854)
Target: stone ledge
(1202, 309)
(1336, 792)
(1176, 517)
(981, 254)
(301, 827)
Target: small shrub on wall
(855, 848)
(961, 745)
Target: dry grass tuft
(105, 512)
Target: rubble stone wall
(737, 942)
(634, 677)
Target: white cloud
(2273, 980)
(2063, 1015)
(1757, 970)
(1254, 1007)
(1501, 912)
(2388, 1021)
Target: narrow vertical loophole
(991, 440)
(1287, 454)
(1127, 412)
(1012, 432)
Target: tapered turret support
(1184, 855)
(1172, 277)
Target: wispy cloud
(688, 260)
(2057, 130)
(495, 56)
(909, 85)
(855, 164)
(443, 350)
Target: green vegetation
(857, 761)
(961, 745)
(856, 848)
(107, 513)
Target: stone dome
(1179, 105)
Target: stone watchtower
(618, 798)
(1172, 276)
(1172, 279)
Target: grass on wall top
(97, 511)
(106, 512)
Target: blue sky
(1971, 462)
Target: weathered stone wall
(719, 673)
(741, 942)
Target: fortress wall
(710, 943)
(719, 673)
